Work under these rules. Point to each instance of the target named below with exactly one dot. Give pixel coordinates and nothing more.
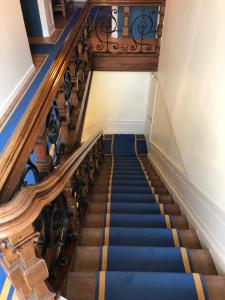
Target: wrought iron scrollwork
(144, 26)
(142, 30)
(54, 234)
(104, 28)
(68, 87)
(80, 195)
(55, 149)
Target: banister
(20, 212)
(22, 141)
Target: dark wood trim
(127, 2)
(125, 62)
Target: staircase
(135, 242)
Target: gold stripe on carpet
(104, 258)
(161, 209)
(198, 285)
(185, 260)
(175, 238)
(101, 292)
(106, 236)
(168, 223)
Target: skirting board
(203, 214)
(116, 127)
(20, 85)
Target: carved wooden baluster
(74, 101)
(64, 119)
(160, 28)
(99, 147)
(126, 14)
(83, 52)
(87, 48)
(71, 206)
(79, 189)
(85, 180)
(95, 156)
(26, 271)
(43, 159)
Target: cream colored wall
(188, 135)
(117, 102)
(15, 59)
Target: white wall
(15, 59)
(117, 102)
(188, 135)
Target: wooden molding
(127, 2)
(125, 62)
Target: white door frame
(46, 16)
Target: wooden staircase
(82, 278)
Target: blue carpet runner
(141, 255)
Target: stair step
(121, 182)
(103, 197)
(146, 259)
(128, 220)
(129, 189)
(134, 208)
(140, 236)
(86, 284)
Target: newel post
(26, 271)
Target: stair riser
(94, 237)
(154, 183)
(102, 189)
(103, 197)
(100, 208)
(87, 260)
(98, 221)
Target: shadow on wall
(163, 135)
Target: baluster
(43, 159)
(26, 271)
(126, 14)
(160, 28)
(64, 120)
(71, 207)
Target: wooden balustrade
(127, 35)
(63, 194)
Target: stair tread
(136, 236)
(85, 283)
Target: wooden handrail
(23, 139)
(17, 214)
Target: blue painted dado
(31, 17)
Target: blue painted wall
(31, 17)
